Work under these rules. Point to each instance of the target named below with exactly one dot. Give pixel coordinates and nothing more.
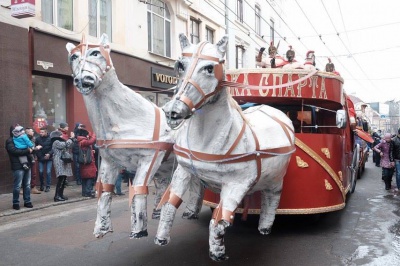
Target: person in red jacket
(88, 171)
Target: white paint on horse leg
(216, 240)
(196, 195)
(167, 217)
(139, 216)
(161, 183)
(269, 204)
(103, 220)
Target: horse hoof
(218, 258)
(190, 216)
(138, 235)
(156, 215)
(265, 231)
(161, 242)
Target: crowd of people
(59, 149)
(386, 154)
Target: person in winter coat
(88, 171)
(396, 157)
(61, 168)
(21, 176)
(385, 150)
(75, 153)
(45, 158)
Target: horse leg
(139, 216)
(174, 195)
(269, 203)
(105, 185)
(223, 216)
(195, 201)
(161, 184)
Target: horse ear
(104, 40)
(69, 47)
(222, 45)
(184, 41)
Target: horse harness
(220, 213)
(137, 144)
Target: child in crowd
(21, 141)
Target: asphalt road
(366, 232)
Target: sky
(362, 38)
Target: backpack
(84, 155)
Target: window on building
(49, 101)
(258, 20)
(194, 31)
(239, 10)
(239, 56)
(100, 19)
(58, 12)
(209, 35)
(159, 28)
(272, 30)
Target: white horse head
(199, 64)
(89, 63)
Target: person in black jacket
(21, 176)
(396, 157)
(45, 158)
(75, 153)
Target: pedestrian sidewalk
(44, 200)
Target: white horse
(132, 133)
(232, 153)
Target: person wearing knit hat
(62, 169)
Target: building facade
(36, 86)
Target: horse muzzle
(85, 84)
(176, 112)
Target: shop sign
(162, 78)
(44, 64)
(22, 8)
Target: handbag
(85, 155)
(66, 157)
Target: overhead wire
(345, 46)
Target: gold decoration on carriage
(301, 163)
(340, 175)
(328, 185)
(326, 152)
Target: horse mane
(236, 106)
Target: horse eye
(74, 57)
(179, 68)
(95, 53)
(209, 69)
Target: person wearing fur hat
(61, 168)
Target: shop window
(49, 101)
(58, 12)
(100, 20)
(159, 28)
